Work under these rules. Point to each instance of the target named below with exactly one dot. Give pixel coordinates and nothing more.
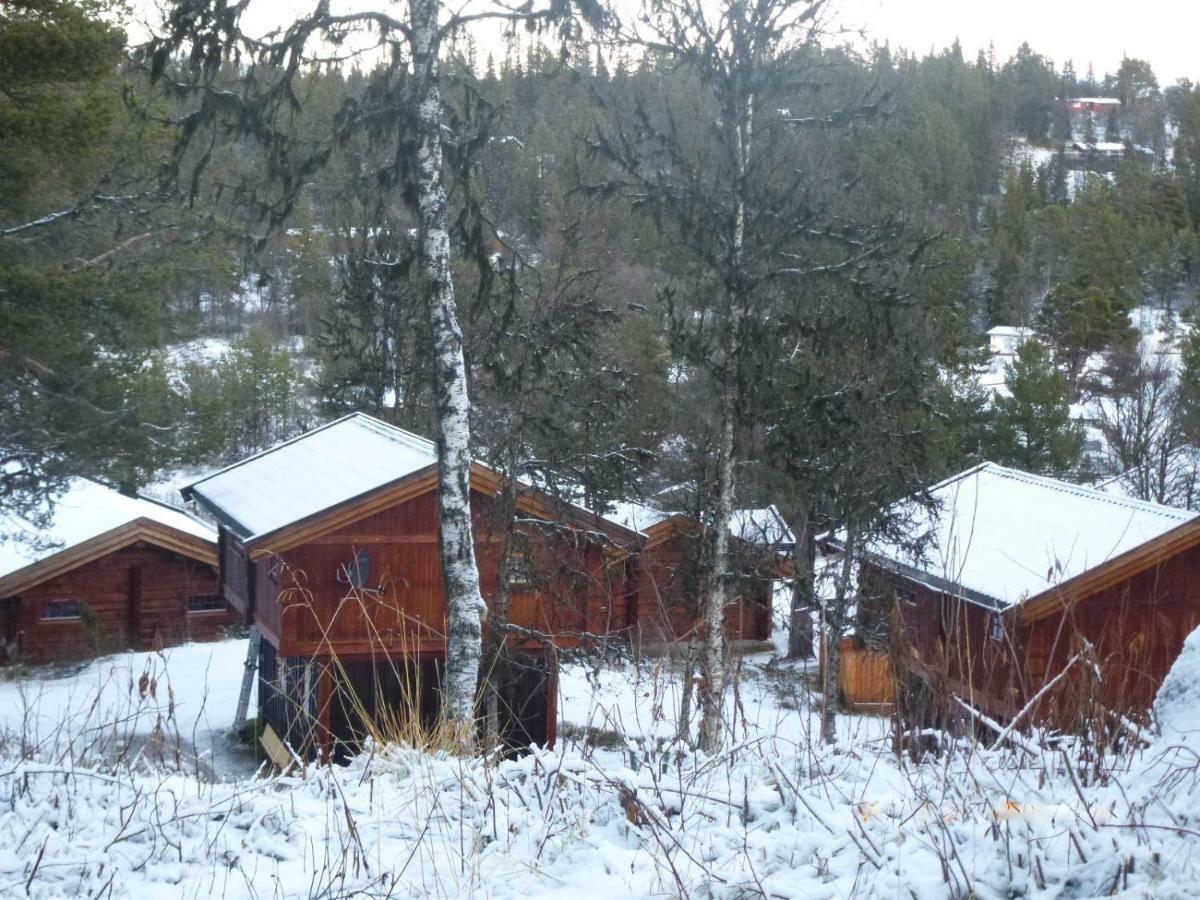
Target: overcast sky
(1100, 32)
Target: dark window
(61, 610)
(205, 603)
(996, 632)
(356, 572)
(520, 575)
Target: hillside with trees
(201, 311)
(724, 282)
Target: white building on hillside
(1003, 340)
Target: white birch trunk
(712, 698)
(464, 603)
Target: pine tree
(84, 265)
(1032, 427)
(1081, 318)
(1189, 386)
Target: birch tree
(731, 195)
(240, 85)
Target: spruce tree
(1032, 428)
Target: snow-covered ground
(1022, 153)
(174, 706)
(617, 810)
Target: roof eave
(938, 582)
(483, 478)
(1112, 571)
(213, 509)
(193, 546)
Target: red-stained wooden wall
(667, 604)
(1135, 629)
(135, 597)
(304, 603)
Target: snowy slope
(608, 816)
(635, 818)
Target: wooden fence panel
(866, 681)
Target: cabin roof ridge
(266, 451)
(1086, 491)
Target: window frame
(997, 630)
(220, 606)
(520, 572)
(46, 606)
(356, 573)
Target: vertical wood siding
(667, 595)
(1133, 631)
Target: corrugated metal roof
(1009, 535)
(84, 511)
(316, 471)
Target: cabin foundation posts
(551, 696)
(324, 734)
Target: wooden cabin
(1037, 598)
(107, 572)
(329, 548)
(664, 606)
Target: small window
(205, 603)
(61, 610)
(996, 631)
(356, 572)
(520, 575)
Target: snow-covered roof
(321, 469)
(1109, 147)
(636, 516)
(86, 510)
(307, 475)
(1104, 101)
(1009, 331)
(1006, 536)
(761, 526)
(754, 526)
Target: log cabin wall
(950, 646)
(1136, 627)
(140, 597)
(234, 564)
(748, 617)
(666, 591)
(343, 612)
(667, 594)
